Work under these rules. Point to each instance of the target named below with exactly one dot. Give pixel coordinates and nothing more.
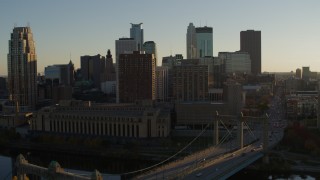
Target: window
(137, 129)
(128, 130)
(93, 128)
(101, 126)
(132, 130)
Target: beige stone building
(22, 69)
(142, 120)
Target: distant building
(204, 41)
(294, 84)
(59, 80)
(109, 87)
(302, 104)
(123, 45)
(233, 96)
(208, 61)
(3, 88)
(306, 73)
(92, 68)
(110, 71)
(137, 79)
(150, 48)
(236, 62)
(162, 83)
(298, 73)
(191, 42)
(136, 32)
(63, 74)
(219, 72)
(85, 118)
(250, 41)
(190, 81)
(170, 61)
(22, 69)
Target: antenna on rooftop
(28, 24)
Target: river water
(83, 166)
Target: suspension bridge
(244, 140)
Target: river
(84, 165)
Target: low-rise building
(118, 120)
(302, 104)
(13, 120)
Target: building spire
(109, 54)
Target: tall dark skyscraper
(22, 68)
(137, 79)
(92, 67)
(250, 41)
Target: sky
(290, 29)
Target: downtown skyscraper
(250, 41)
(191, 42)
(123, 45)
(137, 78)
(150, 47)
(136, 32)
(22, 69)
(204, 42)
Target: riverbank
(154, 149)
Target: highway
(226, 159)
(227, 165)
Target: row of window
(115, 119)
(95, 128)
(100, 109)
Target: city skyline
(288, 34)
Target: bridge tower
(19, 161)
(216, 129)
(240, 130)
(265, 139)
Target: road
(215, 161)
(221, 166)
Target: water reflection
(6, 167)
